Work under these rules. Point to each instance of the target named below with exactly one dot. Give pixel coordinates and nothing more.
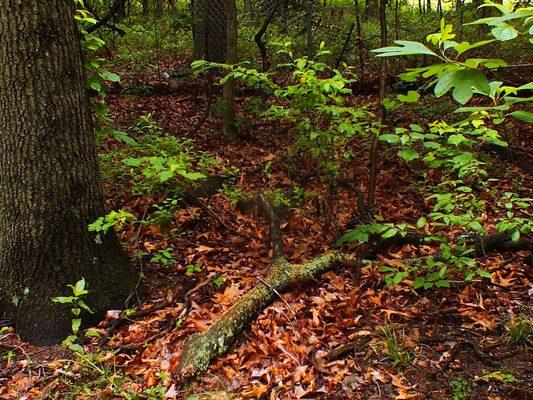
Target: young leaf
(405, 48)
(389, 138)
(408, 154)
(412, 97)
(421, 222)
(525, 116)
(76, 323)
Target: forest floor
(403, 344)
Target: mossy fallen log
(201, 348)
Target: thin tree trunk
(382, 93)
(360, 45)
(145, 8)
(344, 49)
(259, 36)
(49, 182)
(309, 28)
(371, 8)
(397, 20)
(228, 91)
(248, 6)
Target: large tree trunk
(49, 182)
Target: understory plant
(456, 177)
(97, 75)
(77, 304)
(311, 100)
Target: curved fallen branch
(201, 348)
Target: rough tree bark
(49, 182)
(229, 126)
(371, 8)
(382, 93)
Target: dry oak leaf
(230, 295)
(257, 391)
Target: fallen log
(201, 348)
(500, 241)
(514, 155)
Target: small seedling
(462, 388)
(164, 257)
(192, 268)
(396, 348)
(76, 302)
(520, 330)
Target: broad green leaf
(460, 48)
(408, 154)
(502, 107)
(193, 176)
(463, 158)
(389, 233)
(389, 138)
(525, 116)
(527, 86)
(483, 273)
(462, 93)
(494, 21)
(504, 32)
(463, 81)
(444, 84)
(442, 283)
(412, 97)
(78, 348)
(133, 162)
(95, 85)
(405, 48)
(456, 139)
(165, 176)
(124, 137)
(110, 76)
(354, 236)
